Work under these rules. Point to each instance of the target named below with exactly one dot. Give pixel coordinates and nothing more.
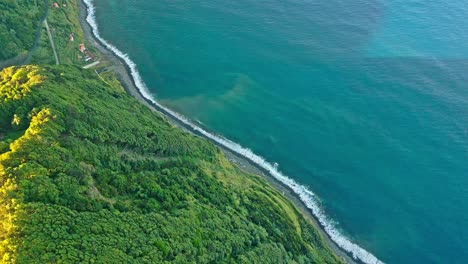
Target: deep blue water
(364, 101)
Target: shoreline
(123, 73)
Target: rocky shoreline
(122, 72)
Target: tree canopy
(19, 21)
(90, 175)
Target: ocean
(364, 103)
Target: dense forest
(19, 23)
(90, 175)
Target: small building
(72, 37)
(82, 48)
(56, 5)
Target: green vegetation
(19, 21)
(90, 175)
(63, 21)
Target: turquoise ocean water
(365, 102)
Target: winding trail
(51, 42)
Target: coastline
(124, 75)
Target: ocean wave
(306, 196)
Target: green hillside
(90, 175)
(19, 22)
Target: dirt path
(51, 42)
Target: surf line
(306, 196)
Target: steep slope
(88, 174)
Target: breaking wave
(306, 196)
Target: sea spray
(306, 196)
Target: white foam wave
(307, 196)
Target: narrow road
(51, 42)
